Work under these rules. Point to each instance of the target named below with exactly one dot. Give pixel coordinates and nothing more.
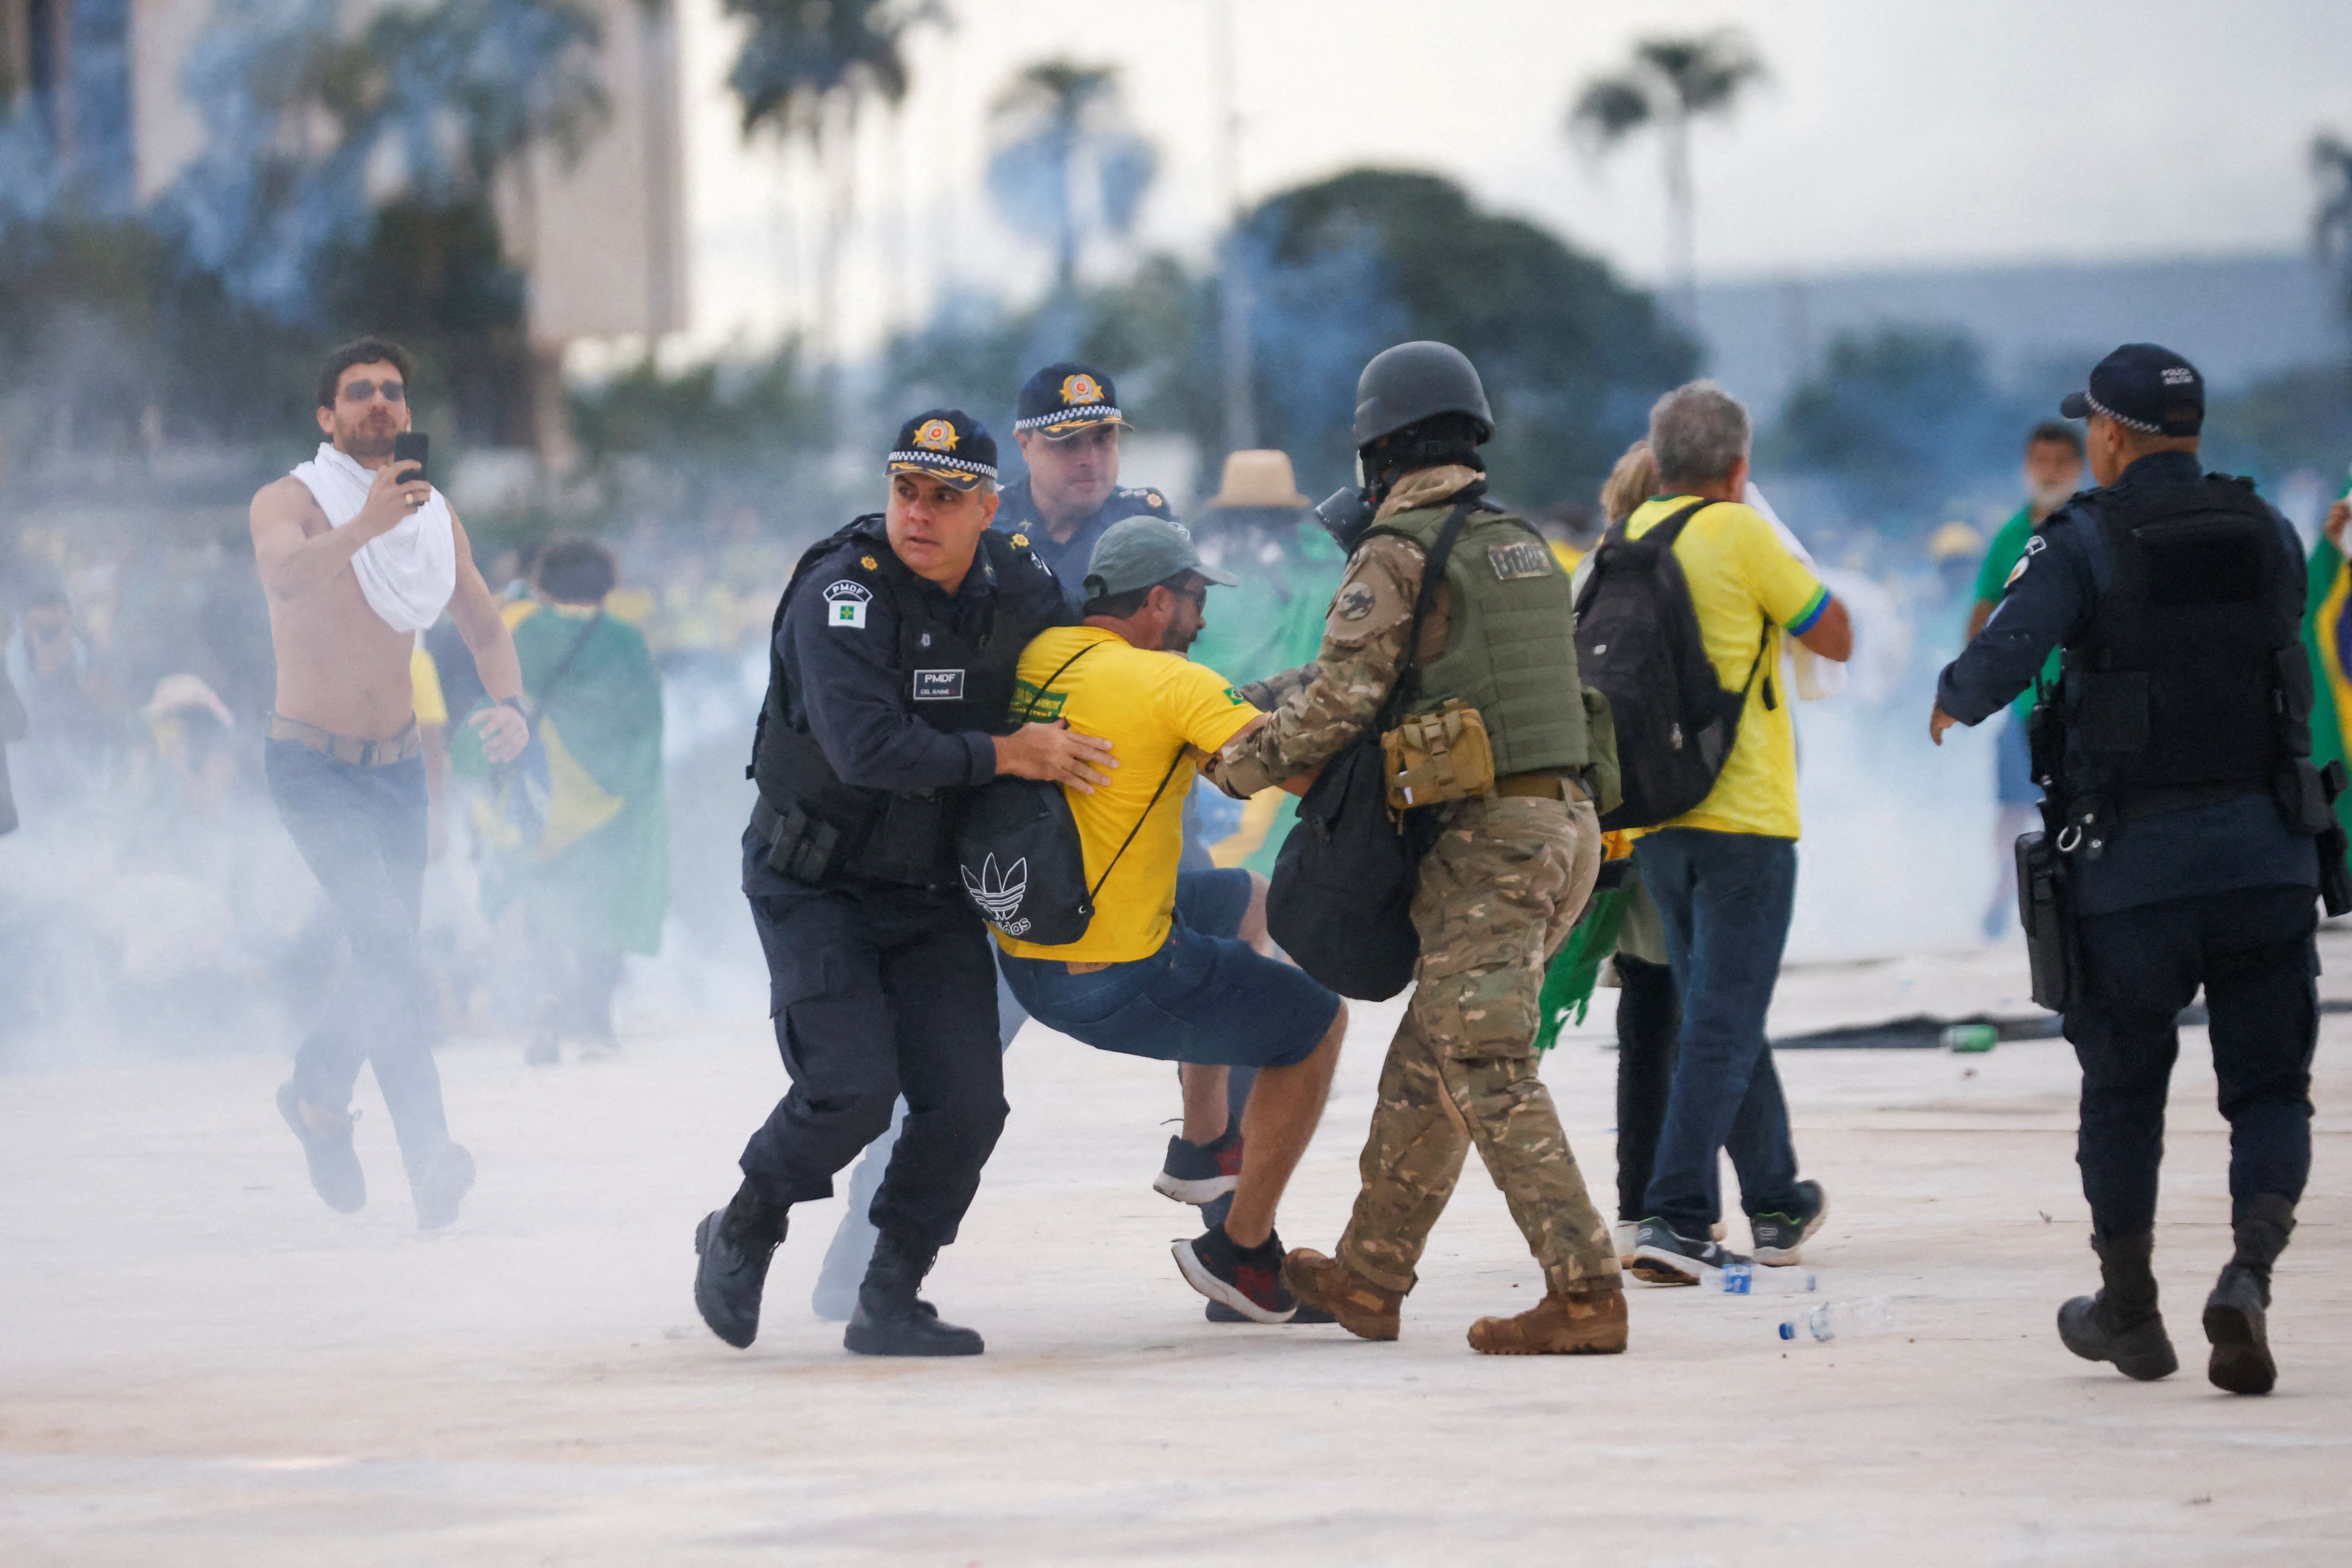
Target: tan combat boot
(1590, 1322)
(1367, 1310)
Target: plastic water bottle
(1840, 1320)
(1747, 1279)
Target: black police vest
(2192, 686)
(825, 831)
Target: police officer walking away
(1067, 424)
(2181, 823)
(890, 674)
(1507, 876)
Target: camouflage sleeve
(1269, 694)
(1363, 647)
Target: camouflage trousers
(1498, 892)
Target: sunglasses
(360, 390)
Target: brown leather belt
(349, 749)
(1542, 787)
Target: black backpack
(1638, 643)
(1341, 900)
(1019, 855)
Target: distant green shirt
(1992, 581)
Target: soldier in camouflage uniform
(1506, 877)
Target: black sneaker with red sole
(1200, 1173)
(1249, 1281)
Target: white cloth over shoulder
(1814, 677)
(408, 574)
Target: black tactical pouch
(2335, 873)
(803, 848)
(2045, 907)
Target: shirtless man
(357, 559)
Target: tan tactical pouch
(1439, 756)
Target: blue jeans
(1724, 900)
(362, 832)
(1205, 997)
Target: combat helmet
(1417, 381)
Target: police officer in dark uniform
(890, 676)
(1067, 424)
(2186, 834)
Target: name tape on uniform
(1513, 561)
(938, 685)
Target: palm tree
(1065, 158)
(2331, 225)
(805, 69)
(1669, 83)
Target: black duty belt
(2145, 802)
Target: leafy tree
(1341, 269)
(1668, 83)
(444, 95)
(805, 69)
(1066, 159)
(1903, 414)
(2331, 223)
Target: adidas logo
(999, 894)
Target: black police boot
(2121, 1323)
(891, 1319)
(733, 1246)
(2236, 1313)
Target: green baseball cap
(1138, 551)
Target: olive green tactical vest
(1510, 646)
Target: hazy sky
(1897, 132)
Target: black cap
(2146, 388)
(948, 444)
(1064, 398)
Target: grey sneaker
(1780, 1237)
(1662, 1256)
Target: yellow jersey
(1150, 706)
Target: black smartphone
(410, 447)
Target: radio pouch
(1438, 756)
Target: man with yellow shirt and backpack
(1162, 971)
(1720, 861)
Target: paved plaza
(200, 1365)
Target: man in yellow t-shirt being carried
(1162, 971)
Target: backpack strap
(1671, 530)
(1140, 820)
(1666, 533)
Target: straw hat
(1259, 479)
(1954, 542)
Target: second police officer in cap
(1067, 423)
(2186, 837)
(891, 673)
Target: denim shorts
(1205, 997)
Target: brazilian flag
(2328, 595)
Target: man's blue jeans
(362, 832)
(1724, 900)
